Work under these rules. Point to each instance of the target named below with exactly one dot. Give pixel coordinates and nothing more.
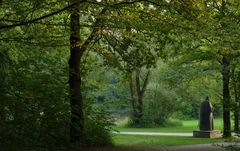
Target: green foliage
(192, 82)
(99, 95)
(172, 123)
(98, 126)
(34, 104)
(159, 106)
(232, 147)
(191, 35)
(35, 107)
(230, 144)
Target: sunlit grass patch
(160, 141)
(187, 126)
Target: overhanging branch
(35, 20)
(39, 18)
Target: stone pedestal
(207, 134)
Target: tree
(216, 40)
(235, 85)
(137, 91)
(76, 131)
(227, 51)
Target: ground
(149, 140)
(204, 147)
(199, 147)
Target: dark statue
(206, 116)
(206, 122)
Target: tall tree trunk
(133, 97)
(76, 127)
(134, 100)
(226, 97)
(139, 97)
(77, 50)
(238, 100)
(236, 115)
(137, 93)
(236, 96)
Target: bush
(172, 123)
(98, 126)
(34, 110)
(123, 122)
(159, 105)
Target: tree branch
(138, 85)
(39, 18)
(94, 32)
(145, 83)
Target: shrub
(159, 105)
(98, 126)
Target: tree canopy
(71, 69)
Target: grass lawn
(188, 126)
(159, 141)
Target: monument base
(207, 134)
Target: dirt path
(200, 147)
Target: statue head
(207, 98)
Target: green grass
(159, 141)
(188, 126)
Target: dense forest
(72, 69)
